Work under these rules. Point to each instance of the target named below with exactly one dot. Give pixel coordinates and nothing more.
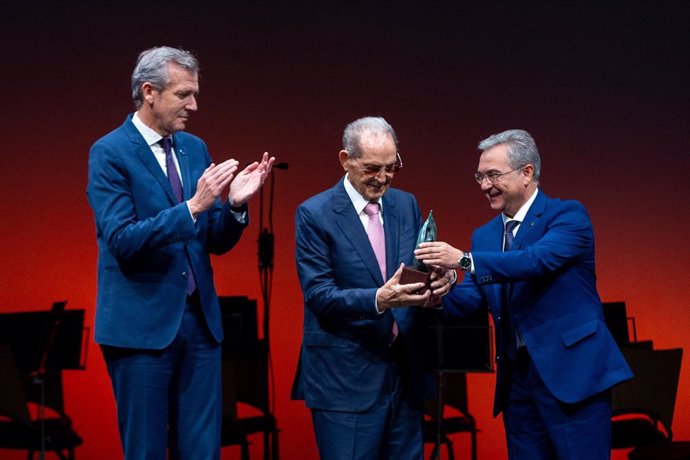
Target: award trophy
(419, 273)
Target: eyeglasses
(375, 170)
(493, 177)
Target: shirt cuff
(190, 212)
(239, 213)
(376, 305)
(454, 278)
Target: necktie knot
(510, 225)
(372, 209)
(166, 143)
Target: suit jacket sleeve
(568, 242)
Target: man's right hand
(211, 185)
(393, 294)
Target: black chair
(454, 415)
(18, 430)
(643, 407)
(620, 325)
(245, 381)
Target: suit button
(184, 274)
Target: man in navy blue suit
(156, 197)
(360, 371)
(533, 266)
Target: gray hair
(522, 149)
(352, 135)
(152, 67)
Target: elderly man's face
(371, 173)
(172, 105)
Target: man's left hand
(245, 184)
(441, 284)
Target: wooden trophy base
(411, 276)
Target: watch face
(465, 262)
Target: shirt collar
(522, 212)
(358, 201)
(150, 136)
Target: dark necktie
(510, 334)
(171, 170)
(176, 185)
(510, 226)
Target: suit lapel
(148, 159)
(350, 224)
(391, 227)
(531, 218)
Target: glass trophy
(418, 272)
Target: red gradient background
(603, 88)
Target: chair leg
(473, 440)
(434, 453)
(245, 449)
(275, 451)
(449, 448)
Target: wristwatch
(465, 262)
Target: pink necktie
(376, 236)
(378, 243)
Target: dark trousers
(176, 390)
(538, 426)
(391, 429)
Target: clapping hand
(249, 181)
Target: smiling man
(156, 197)
(361, 371)
(533, 267)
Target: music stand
(457, 345)
(38, 376)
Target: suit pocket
(579, 333)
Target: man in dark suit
(156, 195)
(533, 266)
(360, 368)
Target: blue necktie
(176, 185)
(510, 334)
(510, 226)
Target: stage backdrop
(603, 88)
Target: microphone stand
(266, 243)
(266, 252)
